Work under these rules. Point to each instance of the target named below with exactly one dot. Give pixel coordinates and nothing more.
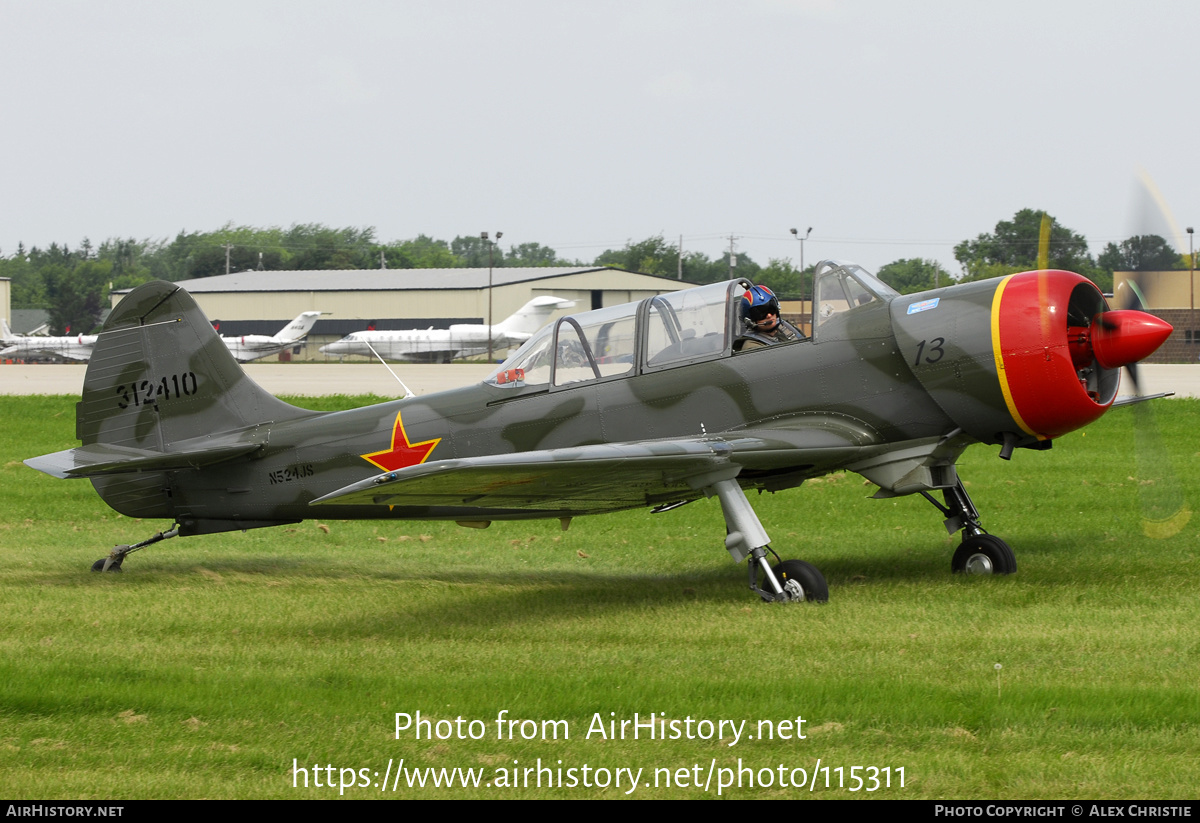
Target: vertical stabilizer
(532, 316)
(298, 329)
(160, 374)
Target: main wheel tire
(984, 554)
(810, 579)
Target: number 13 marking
(935, 350)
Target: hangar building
(1172, 296)
(261, 302)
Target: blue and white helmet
(758, 302)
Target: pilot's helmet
(758, 302)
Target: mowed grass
(213, 662)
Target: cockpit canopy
(666, 331)
(839, 287)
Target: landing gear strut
(790, 581)
(117, 556)
(980, 552)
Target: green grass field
(213, 664)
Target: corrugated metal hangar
(260, 302)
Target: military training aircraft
(72, 347)
(444, 345)
(253, 346)
(650, 404)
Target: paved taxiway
(316, 379)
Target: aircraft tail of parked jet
(531, 317)
(254, 346)
(299, 328)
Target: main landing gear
(117, 556)
(980, 552)
(788, 581)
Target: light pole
(1192, 285)
(796, 234)
(491, 265)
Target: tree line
(1016, 245)
(73, 285)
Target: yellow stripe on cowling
(999, 355)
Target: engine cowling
(1023, 358)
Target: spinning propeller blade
(1165, 511)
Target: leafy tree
(129, 259)
(532, 254)
(209, 260)
(698, 268)
(1145, 252)
(55, 255)
(781, 277)
(124, 254)
(420, 253)
(654, 255)
(28, 288)
(1014, 244)
(475, 252)
(314, 246)
(76, 297)
(743, 266)
(913, 275)
(202, 254)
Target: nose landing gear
(980, 552)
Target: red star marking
(402, 454)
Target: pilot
(763, 325)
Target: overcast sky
(893, 129)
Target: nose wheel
(980, 552)
(984, 554)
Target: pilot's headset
(757, 303)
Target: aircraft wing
(597, 478)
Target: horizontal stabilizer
(100, 459)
